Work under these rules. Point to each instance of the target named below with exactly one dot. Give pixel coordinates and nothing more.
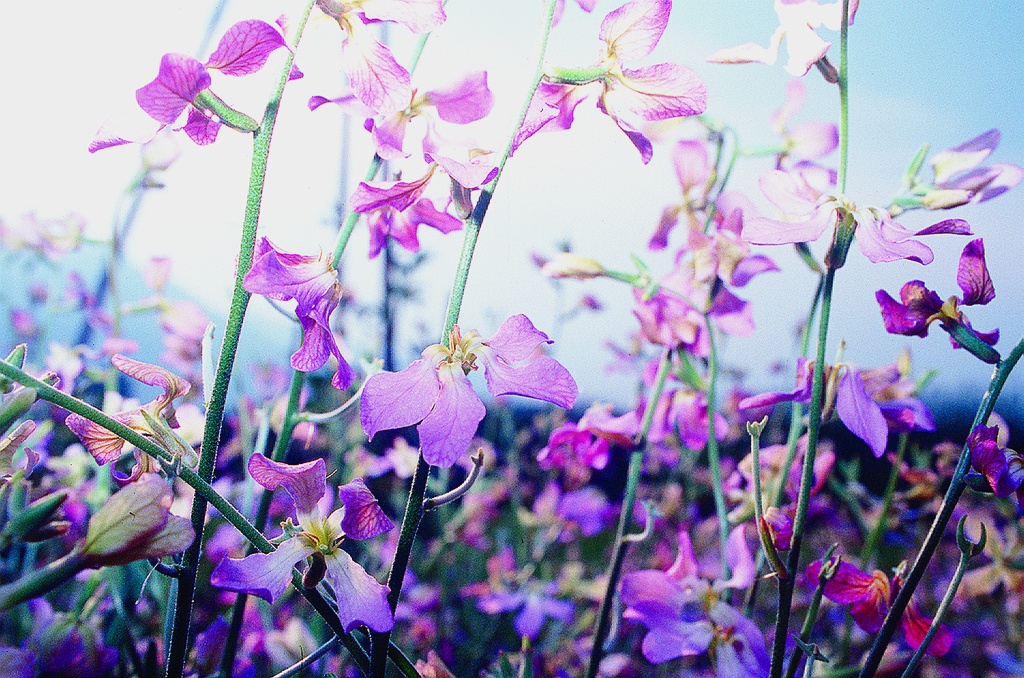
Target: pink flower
(313, 283)
(379, 81)
(628, 96)
(435, 393)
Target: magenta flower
(919, 306)
(798, 21)
(313, 283)
(1003, 468)
(397, 210)
(807, 213)
(435, 392)
(686, 615)
(869, 597)
(379, 81)
(361, 600)
(183, 83)
(628, 96)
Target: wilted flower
(361, 600)
(1003, 468)
(959, 179)
(435, 392)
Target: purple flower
(805, 140)
(379, 81)
(628, 96)
(855, 408)
(1003, 468)
(183, 83)
(361, 600)
(313, 283)
(686, 616)
(798, 20)
(807, 213)
(919, 307)
(435, 393)
(959, 179)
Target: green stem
(714, 460)
(636, 463)
(227, 661)
(352, 217)
(938, 526)
(940, 613)
(786, 586)
(871, 543)
(808, 626)
(844, 97)
(413, 510)
(178, 649)
(304, 663)
(40, 581)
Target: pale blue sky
(941, 75)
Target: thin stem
(786, 586)
(178, 648)
(940, 613)
(714, 460)
(414, 505)
(636, 463)
(844, 98)
(352, 217)
(303, 664)
(812, 616)
(871, 543)
(938, 526)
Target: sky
(939, 75)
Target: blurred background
(939, 73)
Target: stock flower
(628, 96)
(460, 102)
(379, 81)
(805, 140)
(869, 597)
(862, 416)
(155, 419)
(685, 615)
(1003, 468)
(959, 179)
(361, 600)
(435, 392)
(807, 213)
(798, 20)
(919, 306)
(183, 83)
(313, 283)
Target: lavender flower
(361, 600)
(435, 393)
(313, 283)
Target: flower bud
(568, 265)
(945, 198)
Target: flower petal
(306, 483)
(245, 47)
(377, 79)
(860, 413)
(180, 79)
(419, 16)
(445, 433)
(463, 101)
(363, 518)
(266, 575)
(972, 275)
(634, 29)
(393, 400)
(362, 600)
